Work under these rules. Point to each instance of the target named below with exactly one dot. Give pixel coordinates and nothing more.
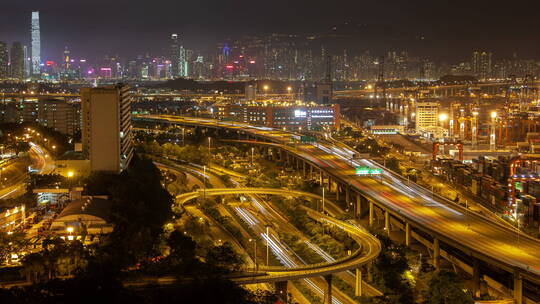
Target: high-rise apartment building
(58, 115)
(106, 127)
(4, 60)
(36, 44)
(17, 61)
(481, 65)
(427, 115)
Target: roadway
(469, 232)
(370, 246)
(14, 176)
(261, 214)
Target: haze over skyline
(95, 28)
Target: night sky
(92, 28)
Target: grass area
(300, 248)
(310, 295)
(332, 240)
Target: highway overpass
(403, 205)
(370, 247)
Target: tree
(446, 287)
(393, 164)
(141, 206)
(33, 267)
(224, 257)
(391, 265)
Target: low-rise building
(289, 117)
(71, 164)
(88, 216)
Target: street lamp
(209, 141)
(252, 154)
(183, 137)
(204, 182)
(323, 200)
(267, 245)
(70, 231)
(255, 253)
(2, 170)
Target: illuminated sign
(300, 113)
(368, 171)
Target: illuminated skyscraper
(175, 55)
(481, 64)
(4, 60)
(66, 59)
(183, 64)
(27, 62)
(17, 61)
(36, 44)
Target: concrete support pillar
(518, 288)
(281, 289)
(288, 158)
(321, 178)
(358, 285)
(337, 192)
(370, 272)
(387, 221)
(347, 196)
(371, 213)
(476, 278)
(310, 171)
(304, 167)
(407, 234)
(436, 254)
(358, 205)
(328, 289)
(329, 184)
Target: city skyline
(204, 25)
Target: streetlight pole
(209, 139)
(255, 253)
(183, 137)
(267, 245)
(252, 154)
(204, 182)
(323, 200)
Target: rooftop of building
(90, 206)
(72, 155)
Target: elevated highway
(413, 208)
(438, 90)
(370, 247)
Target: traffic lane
(412, 202)
(493, 232)
(481, 235)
